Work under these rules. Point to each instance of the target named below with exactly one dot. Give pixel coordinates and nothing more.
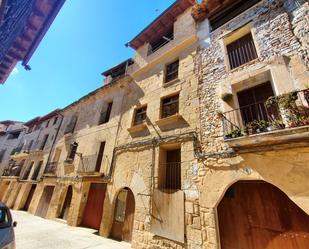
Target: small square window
(170, 106)
(171, 72)
(140, 115)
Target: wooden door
(257, 215)
(251, 102)
(67, 203)
(94, 207)
(4, 187)
(45, 201)
(124, 216)
(29, 198)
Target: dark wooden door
(29, 198)
(45, 201)
(94, 207)
(251, 102)
(66, 205)
(257, 215)
(124, 216)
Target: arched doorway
(123, 216)
(67, 203)
(257, 215)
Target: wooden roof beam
(14, 55)
(18, 46)
(38, 12)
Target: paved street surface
(36, 233)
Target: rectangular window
(2, 152)
(47, 124)
(170, 169)
(140, 115)
(72, 152)
(30, 145)
(71, 126)
(169, 106)
(44, 142)
(171, 72)
(55, 120)
(105, 116)
(36, 171)
(100, 157)
(241, 51)
(27, 171)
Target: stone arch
(123, 211)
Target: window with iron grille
(140, 115)
(241, 51)
(169, 106)
(171, 72)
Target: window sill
(137, 128)
(242, 66)
(169, 120)
(170, 83)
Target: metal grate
(241, 51)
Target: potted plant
(226, 97)
(262, 126)
(235, 133)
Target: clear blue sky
(86, 38)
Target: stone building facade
(230, 163)
(208, 122)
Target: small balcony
(282, 115)
(51, 168)
(89, 165)
(12, 171)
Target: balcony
(12, 170)
(278, 120)
(51, 168)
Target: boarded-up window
(241, 51)
(171, 72)
(170, 106)
(140, 115)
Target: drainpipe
(54, 142)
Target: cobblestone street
(33, 232)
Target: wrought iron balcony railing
(12, 171)
(278, 112)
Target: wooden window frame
(164, 105)
(173, 75)
(143, 113)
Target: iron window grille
(241, 51)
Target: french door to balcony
(252, 102)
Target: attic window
(229, 12)
(161, 41)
